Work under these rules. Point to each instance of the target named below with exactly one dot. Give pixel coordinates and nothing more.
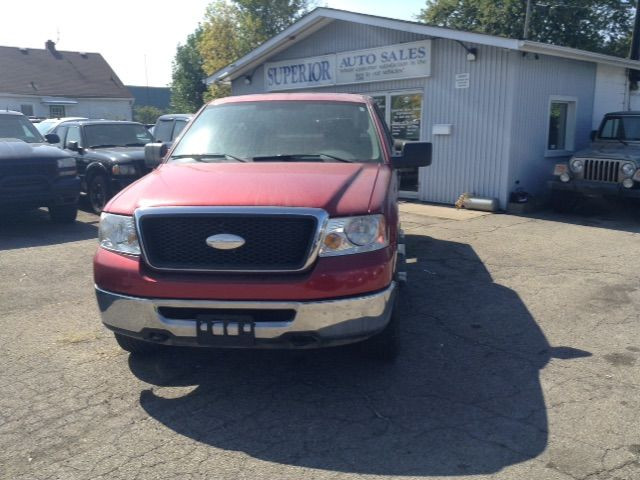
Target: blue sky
(138, 38)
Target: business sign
(394, 62)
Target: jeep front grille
(276, 239)
(601, 170)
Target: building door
(403, 114)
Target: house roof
(50, 72)
(322, 16)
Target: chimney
(50, 45)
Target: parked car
(33, 174)
(610, 167)
(109, 155)
(49, 125)
(168, 127)
(272, 222)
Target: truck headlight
(628, 169)
(577, 165)
(348, 235)
(123, 169)
(118, 234)
(67, 166)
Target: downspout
(634, 53)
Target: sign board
(462, 80)
(393, 62)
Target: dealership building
(500, 112)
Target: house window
(27, 109)
(56, 111)
(562, 125)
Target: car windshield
(116, 135)
(18, 127)
(281, 131)
(621, 128)
(45, 126)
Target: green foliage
(146, 114)
(187, 87)
(595, 25)
(232, 29)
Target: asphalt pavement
(520, 360)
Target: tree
(187, 79)
(146, 114)
(232, 29)
(595, 25)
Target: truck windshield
(621, 128)
(17, 127)
(116, 135)
(292, 131)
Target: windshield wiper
(201, 157)
(138, 144)
(622, 141)
(102, 146)
(299, 157)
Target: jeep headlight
(628, 169)
(124, 169)
(348, 235)
(118, 234)
(66, 166)
(577, 165)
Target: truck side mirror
(73, 146)
(154, 153)
(414, 154)
(52, 138)
(593, 135)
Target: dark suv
(33, 174)
(109, 155)
(169, 126)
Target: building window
(562, 125)
(27, 109)
(56, 111)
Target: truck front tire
(63, 213)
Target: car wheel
(564, 202)
(63, 213)
(384, 346)
(98, 193)
(133, 345)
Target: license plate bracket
(225, 330)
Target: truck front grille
(601, 170)
(273, 242)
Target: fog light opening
(565, 177)
(627, 183)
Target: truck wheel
(564, 202)
(98, 193)
(133, 345)
(383, 346)
(63, 213)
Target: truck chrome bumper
(326, 322)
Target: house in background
(51, 83)
(158, 97)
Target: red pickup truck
(271, 222)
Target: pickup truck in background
(610, 167)
(34, 174)
(271, 223)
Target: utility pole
(527, 21)
(634, 54)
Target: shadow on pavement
(621, 214)
(33, 228)
(464, 397)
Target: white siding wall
(536, 80)
(611, 92)
(110, 109)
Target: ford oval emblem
(225, 241)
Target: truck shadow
(33, 228)
(464, 398)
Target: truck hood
(19, 150)
(613, 151)
(339, 188)
(118, 154)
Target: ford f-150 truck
(272, 222)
